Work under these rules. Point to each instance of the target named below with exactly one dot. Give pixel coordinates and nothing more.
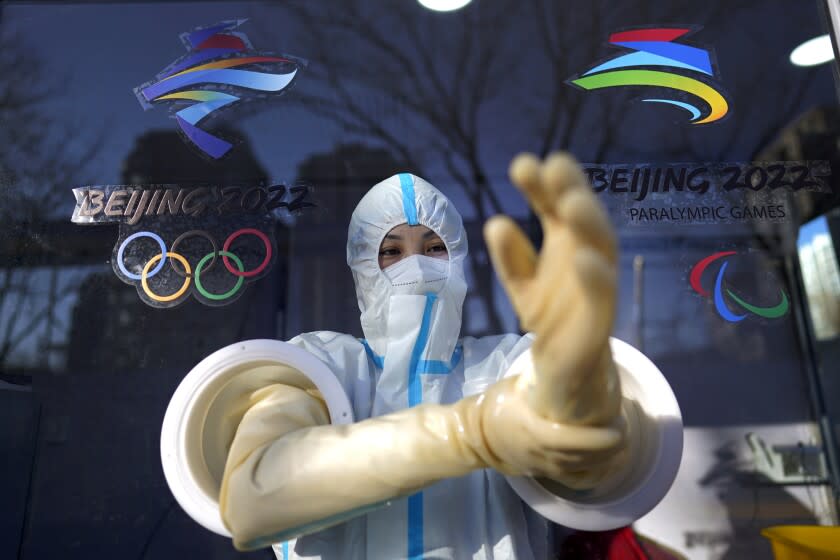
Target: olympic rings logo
(183, 269)
(773, 312)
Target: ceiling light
(813, 51)
(444, 5)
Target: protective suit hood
(405, 199)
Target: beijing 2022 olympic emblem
(220, 69)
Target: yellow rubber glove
(566, 295)
(288, 473)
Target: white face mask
(417, 275)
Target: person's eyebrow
(393, 236)
(429, 234)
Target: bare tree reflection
(39, 159)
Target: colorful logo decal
(202, 242)
(655, 48)
(721, 306)
(155, 263)
(209, 75)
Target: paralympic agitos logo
(211, 77)
(728, 304)
(683, 73)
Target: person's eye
(389, 252)
(436, 248)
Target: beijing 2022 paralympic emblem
(728, 304)
(220, 69)
(684, 74)
(205, 242)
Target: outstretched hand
(566, 294)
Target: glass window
(131, 128)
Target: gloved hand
(566, 296)
(520, 441)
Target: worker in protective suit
(420, 473)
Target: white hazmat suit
(354, 492)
